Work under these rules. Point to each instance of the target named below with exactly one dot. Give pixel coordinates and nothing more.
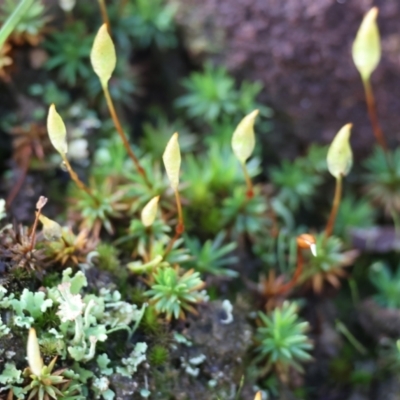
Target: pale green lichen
(84, 320)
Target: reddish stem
(299, 269)
(121, 133)
(180, 227)
(249, 183)
(373, 116)
(335, 207)
(104, 15)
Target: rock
(378, 321)
(389, 389)
(210, 361)
(301, 52)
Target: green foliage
(158, 355)
(328, 264)
(282, 338)
(390, 354)
(110, 156)
(211, 256)
(210, 181)
(11, 378)
(153, 22)
(103, 204)
(173, 293)
(387, 284)
(278, 250)
(157, 133)
(107, 257)
(123, 85)
(82, 321)
(70, 59)
(29, 308)
(137, 187)
(48, 93)
(353, 213)
(212, 96)
(383, 179)
(296, 181)
(246, 216)
(215, 174)
(30, 26)
(315, 159)
(49, 384)
(146, 23)
(76, 317)
(139, 238)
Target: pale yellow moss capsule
(103, 55)
(149, 212)
(172, 161)
(57, 131)
(51, 229)
(243, 139)
(367, 46)
(258, 396)
(33, 353)
(340, 156)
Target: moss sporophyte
(155, 252)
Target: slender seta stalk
(13, 20)
(335, 207)
(104, 15)
(180, 226)
(249, 183)
(373, 116)
(121, 133)
(39, 205)
(75, 178)
(304, 241)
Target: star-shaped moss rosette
(328, 265)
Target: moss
(158, 355)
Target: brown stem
(335, 207)
(33, 234)
(180, 227)
(121, 133)
(373, 116)
(104, 15)
(39, 205)
(299, 269)
(122, 5)
(249, 183)
(75, 177)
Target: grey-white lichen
(228, 308)
(84, 320)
